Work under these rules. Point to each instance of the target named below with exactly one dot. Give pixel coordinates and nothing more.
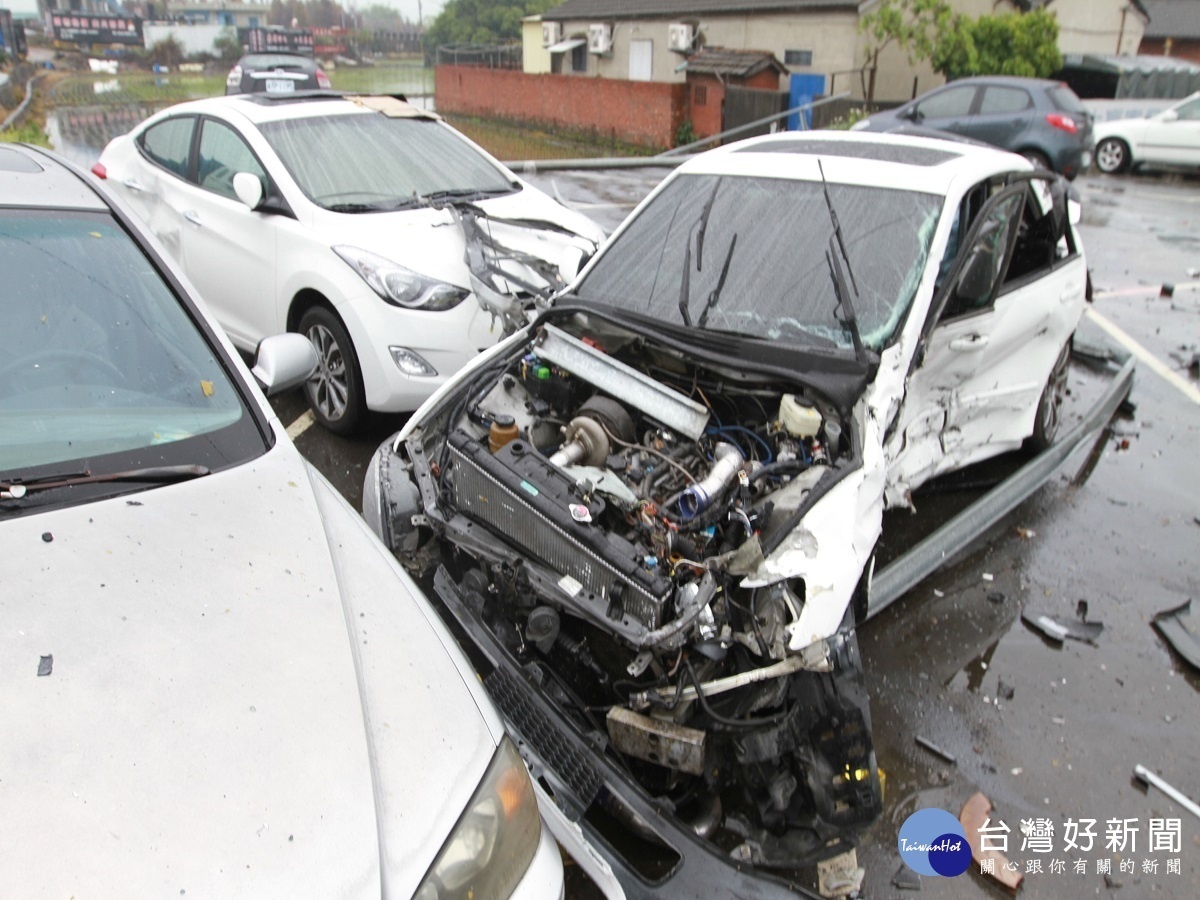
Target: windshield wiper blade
(685, 284)
(835, 272)
(715, 295)
(18, 488)
(465, 195)
(700, 232)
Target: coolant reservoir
(797, 419)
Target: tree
(912, 25)
(226, 46)
(957, 45)
(483, 21)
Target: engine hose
(718, 719)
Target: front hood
(238, 704)
(431, 241)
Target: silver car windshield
(99, 357)
(774, 281)
(372, 162)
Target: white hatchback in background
(215, 681)
(398, 246)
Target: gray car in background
(1041, 119)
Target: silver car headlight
(493, 843)
(399, 285)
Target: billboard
(89, 28)
(282, 40)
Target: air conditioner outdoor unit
(680, 37)
(551, 33)
(599, 38)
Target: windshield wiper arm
(835, 272)
(18, 488)
(715, 295)
(685, 284)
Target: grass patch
(511, 141)
(28, 132)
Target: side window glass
(1041, 238)
(964, 218)
(949, 104)
(168, 144)
(984, 264)
(1000, 100)
(223, 154)
(1189, 111)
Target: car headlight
(493, 843)
(399, 285)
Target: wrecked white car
(398, 246)
(652, 512)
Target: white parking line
(303, 422)
(1160, 368)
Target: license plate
(280, 86)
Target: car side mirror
(248, 188)
(1170, 115)
(913, 114)
(283, 361)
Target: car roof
(918, 163)
(1014, 80)
(33, 179)
(264, 107)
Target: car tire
(1049, 411)
(335, 391)
(1112, 156)
(1038, 159)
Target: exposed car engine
(599, 503)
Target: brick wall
(635, 112)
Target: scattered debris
(1017, 770)
(1081, 610)
(1058, 720)
(1193, 272)
(1167, 290)
(840, 876)
(1143, 774)
(1111, 883)
(1026, 533)
(988, 576)
(974, 817)
(1005, 691)
(134, 503)
(1179, 630)
(940, 594)
(937, 751)
(1058, 630)
(995, 597)
(47, 536)
(906, 879)
(45, 665)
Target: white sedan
(1170, 138)
(400, 248)
(216, 682)
(655, 509)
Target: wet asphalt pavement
(1045, 730)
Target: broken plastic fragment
(1058, 630)
(935, 749)
(1178, 629)
(45, 665)
(975, 818)
(207, 388)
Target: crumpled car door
(947, 398)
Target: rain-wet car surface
(397, 245)
(216, 681)
(653, 512)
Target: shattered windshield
(371, 162)
(749, 256)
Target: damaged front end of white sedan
(651, 514)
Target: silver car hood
(239, 705)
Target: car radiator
(533, 505)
